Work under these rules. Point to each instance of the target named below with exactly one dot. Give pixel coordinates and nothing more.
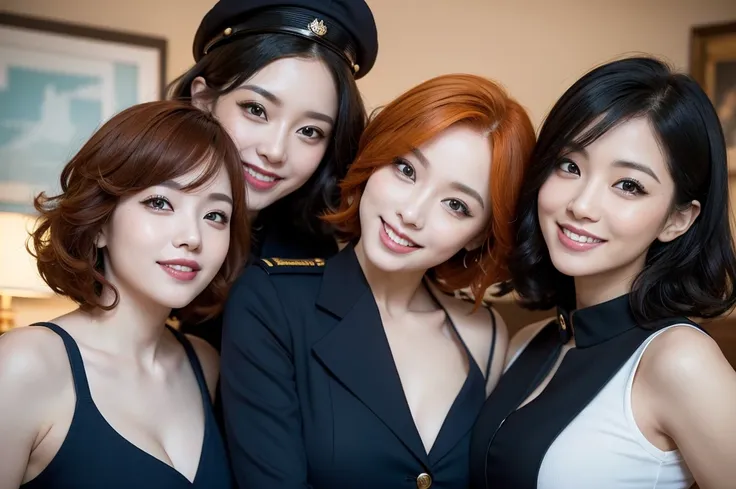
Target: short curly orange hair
(140, 147)
(421, 114)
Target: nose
(584, 205)
(273, 145)
(413, 211)
(188, 233)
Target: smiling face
(428, 205)
(604, 205)
(281, 120)
(164, 245)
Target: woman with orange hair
(363, 370)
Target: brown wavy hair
(419, 115)
(142, 146)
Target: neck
(596, 289)
(394, 292)
(133, 329)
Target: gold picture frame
(713, 65)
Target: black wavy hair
(692, 275)
(230, 65)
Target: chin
(383, 259)
(577, 267)
(176, 300)
(257, 203)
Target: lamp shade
(18, 273)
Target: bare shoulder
(209, 359)
(682, 359)
(481, 329)
(33, 362)
(522, 338)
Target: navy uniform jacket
(311, 394)
(274, 242)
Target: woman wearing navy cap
(280, 76)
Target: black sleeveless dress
(509, 443)
(94, 455)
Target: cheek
(218, 244)
(551, 198)
(452, 234)
(231, 117)
(304, 158)
(383, 187)
(637, 221)
(133, 235)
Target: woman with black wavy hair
(623, 225)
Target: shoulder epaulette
(273, 266)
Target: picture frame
(713, 65)
(59, 82)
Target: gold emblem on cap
(228, 31)
(318, 27)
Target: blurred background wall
(536, 48)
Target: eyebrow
(215, 196)
(279, 103)
(456, 185)
(576, 148)
(636, 166)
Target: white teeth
(181, 268)
(396, 238)
(259, 176)
(578, 238)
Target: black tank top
(94, 455)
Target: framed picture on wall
(713, 65)
(58, 83)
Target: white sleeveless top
(603, 448)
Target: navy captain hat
(344, 26)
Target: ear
(101, 238)
(679, 222)
(199, 90)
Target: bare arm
(692, 388)
(31, 372)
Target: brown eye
(311, 133)
(568, 166)
(157, 203)
(457, 206)
(254, 109)
(405, 169)
(631, 187)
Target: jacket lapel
(356, 350)
(467, 404)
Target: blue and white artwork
(55, 91)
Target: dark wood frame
(699, 36)
(78, 30)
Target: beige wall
(536, 48)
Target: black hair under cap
(345, 26)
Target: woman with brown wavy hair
(359, 371)
(151, 216)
